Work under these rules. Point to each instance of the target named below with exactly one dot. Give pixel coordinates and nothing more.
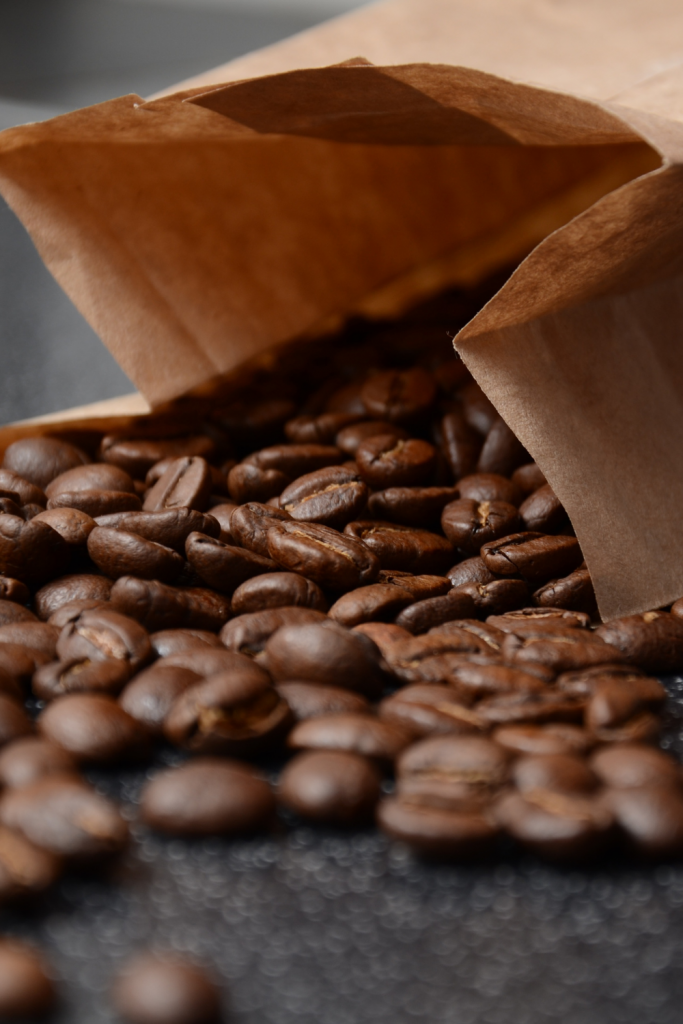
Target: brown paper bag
(272, 198)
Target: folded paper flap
(413, 104)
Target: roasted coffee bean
(502, 452)
(399, 396)
(421, 587)
(222, 514)
(70, 611)
(574, 592)
(436, 833)
(207, 661)
(650, 817)
(249, 525)
(72, 525)
(10, 680)
(14, 590)
(386, 461)
(630, 766)
(150, 696)
(651, 640)
(424, 615)
(332, 786)
(558, 826)
(615, 700)
(347, 398)
(105, 634)
(329, 558)
(460, 444)
(14, 722)
(427, 708)
(250, 632)
(277, 590)
(235, 712)
(542, 511)
(332, 496)
(249, 482)
(528, 478)
(186, 483)
(575, 649)
(165, 989)
(384, 634)
(321, 429)
(378, 601)
(313, 700)
(553, 738)
(536, 557)
(10, 507)
(168, 641)
(531, 708)
(107, 676)
(403, 547)
(473, 680)
(41, 459)
(138, 455)
(21, 491)
(472, 570)
(478, 410)
(491, 637)
(10, 612)
(34, 636)
(18, 663)
(95, 503)
(31, 551)
(170, 526)
(295, 460)
(94, 729)
(411, 506)
(157, 606)
(349, 438)
(428, 658)
(357, 733)
(66, 816)
(25, 870)
(26, 760)
(26, 988)
(221, 565)
(256, 420)
(97, 476)
(532, 621)
(118, 553)
(474, 762)
(495, 598)
(560, 773)
(207, 796)
(325, 652)
(489, 487)
(470, 524)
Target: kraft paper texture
(368, 163)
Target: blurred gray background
(56, 56)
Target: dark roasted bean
(96, 476)
(325, 652)
(558, 826)
(249, 482)
(424, 615)
(650, 817)
(651, 640)
(472, 570)
(222, 514)
(524, 621)
(10, 612)
(105, 634)
(31, 551)
(119, 553)
(249, 525)
(34, 636)
(70, 611)
(18, 663)
(26, 988)
(489, 487)
(561, 773)
(14, 590)
(41, 459)
(295, 460)
(71, 524)
(437, 833)
(208, 796)
(94, 503)
(536, 557)
(186, 483)
(349, 438)
(331, 559)
(528, 478)
(10, 507)
(575, 649)
(250, 632)
(320, 429)
(553, 738)
(384, 634)
(399, 395)
(427, 708)
(170, 526)
(531, 708)
(138, 455)
(150, 696)
(157, 606)
(312, 700)
(107, 676)
(93, 729)
(378, 601)
(30, 758)
(277, 590)
(429, 658)
(221, 565)
(497, 597)
(403, 548)
(472, 761)
(460, 444)
(411, 506)
(573, 592)
(386, 461)
(207, 661)
(332, 496)
(25, 870)
(66, 816)
(615, 700)
(333, 786)
(487, 680)
(502, 452)
(478, 410)
(421, 586)
(21, 491)
(166, 989)
(357, 733)
(168, 641)
(631, 765)
(236, 712)
(14, 722)
(543, 512)
(470, 524)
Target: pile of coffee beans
(342, 589)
